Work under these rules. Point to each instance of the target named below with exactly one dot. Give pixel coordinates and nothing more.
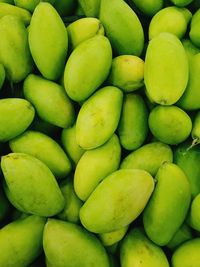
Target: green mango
(16, 115)
(65, 7)
(148, 157)
(82, 74)
(4, 206)
(170, 124)
(160, 220)
(183, 234)
(178, 18)
(48, 41)
(133, 125)
(188, 160)
(31, 184)
(98, 117)
(194, 29)
(50, 101)
(83, 29)
(190, 99)
(95, 165)
(29, 5)
(187, 255)
(194, 214)
(165, 78)
(9, 9)
(73, 204)
(21, 241)
(14, 49)
(122, 27)
(181, 3)
(67, 244)
(43, 148)
(147, 7)
(2, 75)
(196, 129)
(137, 250)
(120, 198)
(68, 139)
(111, 238)
(90, 7)
(127, 73)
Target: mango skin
(127, 73)
(194, 214)
(181, 3)
(67, 244)
(133, 125)
(148, 157)
(14, 49)
(98, 117)
(187, 254)
(149, 8)
(126, 191)
(21, 241)
(122, 27)
(31, 184)
(49, 44)
(137, 250)
(165, 78)
(170, 125)
(95, 165)
(2, 75)
(73, 204)
(194, 28)
(10, 9)
(188, 161)
(43, 148)
(170, 19)
(172, 190)
(69, 143)
(28, 5)
(83, 29)
(50, 101)
(16, 115)
(90, 7)
(82, 77)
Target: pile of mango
(100, 133)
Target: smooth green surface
(194, 214)
(149, 7)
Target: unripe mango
(194, 30)
(50, 101)
(21, 241)
(67, 244)
(120, 198)
(48, 41)
(95, 165)
(29, 5)
(194, 214)
(43, 148)
(31, 184)
(82, 75)
(137, 250)
(181, 3)
(148, 157)
(168, 206)
(16, 115)
(133, 125)
(98, 118)
(165, 78)
(83, 29)
(122, 27)
(14, 49)
(196, 129)
(149, 8)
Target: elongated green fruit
(165, 78)
(14, 49)
(90, 7)
(67, 244)
(31, 184)
(95, 165)
(122, 27)
(136, 242)
(82, 74)
(148, 157)
(50, 101)
(45, 149)
(172, 190)
(98, 118)
(126, 191)
(16, 115)
(22, 238)
(48, 41)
